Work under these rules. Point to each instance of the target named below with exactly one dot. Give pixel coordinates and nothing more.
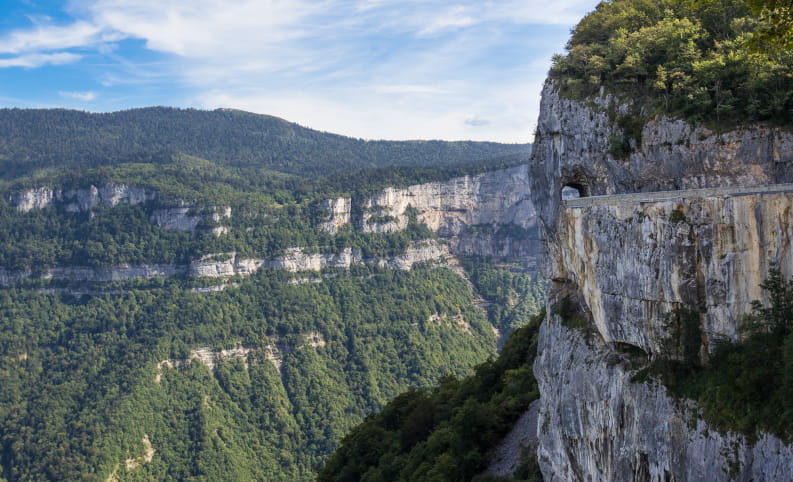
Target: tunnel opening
(574, 190)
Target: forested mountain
(174, 307)
(59, 139)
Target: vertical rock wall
(625, 265)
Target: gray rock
(629, 263)
(451, 209)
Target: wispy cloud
(48, 37)
(409, 89)
(456, 17)
(84, 96)
(37, 60)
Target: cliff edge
(620, 264)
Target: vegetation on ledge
(746, 386)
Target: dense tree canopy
(719, 62)
(256, 378)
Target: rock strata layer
(227, 265)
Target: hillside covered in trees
(446, 433)
(59, 139)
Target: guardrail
(646, 197)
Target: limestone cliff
(227, 265)
(77, 200)
(175, 215)
(624, 262)
(477, 214)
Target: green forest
(83, 380)
(722, 63)
(86, 379)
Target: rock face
(628, 263)
(80, 200)
(338, 214)
(468, 211)
(224, 266)
(635, 262)
(227, 265)
(188, 218)
(103, 274)
(296, 259)
(572, 144)
(595, 424)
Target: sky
(372, 69)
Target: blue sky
(374, 69)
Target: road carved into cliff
(647, 197)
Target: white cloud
(84, 96)
(208, 28)
(37, 60)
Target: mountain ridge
(230, 138)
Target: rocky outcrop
(81, 200)
(179, 217)
(596, 424)
(188, 218)
(29, 199)
(296, 259)
(339, 210)
(227, 265)
(457, 210)
(449, 207)
(419, 252)
(635, 262)
(626, 263)
(103, 274)
(224, 265)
